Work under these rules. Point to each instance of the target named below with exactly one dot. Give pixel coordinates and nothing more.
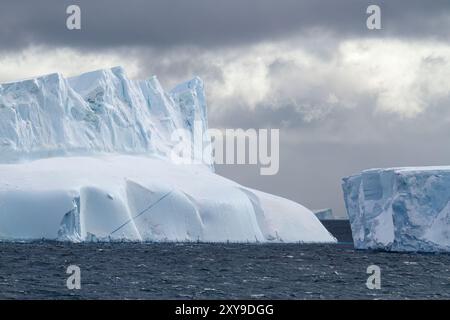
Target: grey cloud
(204, 23)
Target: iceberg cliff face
(97, 112)
(88, 158)
(400, 209)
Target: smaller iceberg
(324, 214)
(400, 209)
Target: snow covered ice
(400, 209)
(88, 159)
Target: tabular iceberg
(400, 209)
(88, 158)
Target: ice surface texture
(400, 209)
(99, 111)
(87, 159)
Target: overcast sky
(345, 98)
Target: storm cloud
(166, 24)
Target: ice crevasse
(87, 158)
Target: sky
(345, 98)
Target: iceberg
(400, 209)
(324, 214)
(88, 158)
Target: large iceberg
(400, 209)
(89, 158)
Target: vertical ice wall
(400, 209)
(97, 112)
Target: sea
(45, 270)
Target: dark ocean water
(214, 271)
